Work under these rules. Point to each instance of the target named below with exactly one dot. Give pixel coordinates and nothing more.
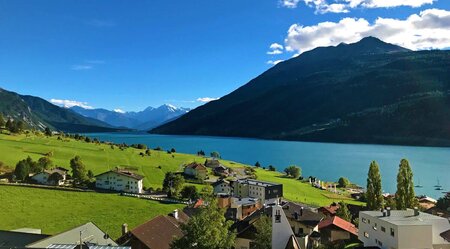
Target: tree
(271, 168)
(48, 132)
(22, 170)
(263, 236)
(45, 163)
(189, 192)
(90, 174)
(405, 196)
(293, 171)
(257, 165)
(343, 212)
(173, 150)
(9, 124)
(2, 121)
(443, 203)
(78, 169)
(215, 154)
(172, 184)
(33, 166)
(148, 152)
(374, 191)
(343, 182)
(201, 153)
(206, 230)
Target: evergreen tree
(9, 124)
(22, 170)
(343, 212)
(78, 169)
(45, 163)
(263, 237)
(48, 132)
(343, 182)
(405, 196)
(206, 230)
(374, 191)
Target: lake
(328, 161)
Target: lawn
(55, 211)
(100, 157)
(297, 191)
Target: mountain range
(143, 120)
(38, 113)
(365, 92)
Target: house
(266, 191)
(222, 186)
(91, 236)
(329, 211)
(426, 202)
(282, 235)
(119, 180)
(196, 170)
(157, 233)
(221, 171)
(303, 219)
(335, 228)
(403, 229)
(19, 239)
(212, 163)
(56, 176)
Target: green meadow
(55, 210)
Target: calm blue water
(328, 161)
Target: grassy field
(55, 211)
(100, 157)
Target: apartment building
(265, 191)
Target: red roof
(340, 223)
(160, 231)
(330, 209)
(196, 166)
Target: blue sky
(132, 54)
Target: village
(245, 201)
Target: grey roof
(405, 217)
(90, 233)
(10, 239)
(257, 183)
(124, 173)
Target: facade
(196, 170)
(221, 171)
(122, 181)
(222, 186)
(402, 229)
(266, 191)
(303, 220)
(55, 177)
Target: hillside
(142, 120)
(365, 92)
(38, 113)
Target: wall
(117, 182)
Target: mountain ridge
(333, 94)
(146, 119)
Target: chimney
(416, 211)
(175, 214)
(124, 228)
(388, 210)
(301, 211)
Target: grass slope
(55, 211)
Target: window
(375, 226)
(364, 220)
(366, 235)
(392, 232)
(383, 229)
(368, 221)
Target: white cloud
(206, 99)
(81, 67)
(430, 29)
(289, 3)
(344, 6)
(275, 48)
(119, 110)
(271, 62)
(70, 103)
